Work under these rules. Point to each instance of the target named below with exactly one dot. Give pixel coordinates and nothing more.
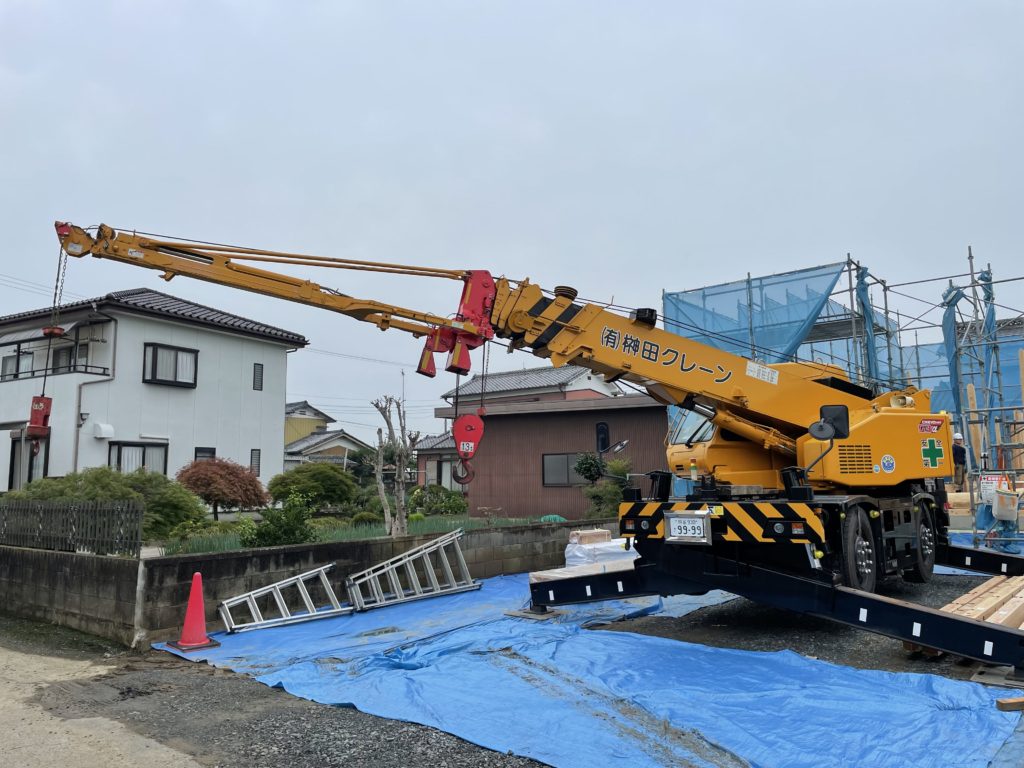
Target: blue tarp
(568, 696)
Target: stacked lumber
(1000, 600)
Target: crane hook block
(467, 430)
(39, 418)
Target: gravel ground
(752, 627)
(227, 720)
(223, 719)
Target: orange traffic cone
(193, 634)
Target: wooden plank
(988, 603)
(1010, 705)
(1011, 613)
(974, 593)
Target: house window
(38, 463)
(72, 358)
(254, 461)
(175, 366)
(203, 454)
(558, 469)
(257, 376)
(128, 457)
(604, 436)
(13, 364)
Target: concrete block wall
(89, 593)
(135, 602)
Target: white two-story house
(142, 379)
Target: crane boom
(768, 406)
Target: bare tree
(404, 443)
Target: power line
(361, 358)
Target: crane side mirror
(834, 423)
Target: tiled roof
(316, 438)
(512, 381)
(291, 408)
(436, 442)
(152, 302)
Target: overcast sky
(623, 148)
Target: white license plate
(687, 528)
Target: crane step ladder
(301, 592)
(435, 568)
(429, 570)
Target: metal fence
(97, 527)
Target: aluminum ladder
(434, 568)
(296, 587)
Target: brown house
(435, 455)
(525, 460)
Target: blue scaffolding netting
(791, 316)
(762, 317)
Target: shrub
(287, 525)
(190, 529)
(97, 484)
(589, 466)
(437, 500)
(606, 494)
(617, 470)
(416, 517)
(366, 500)
(166, 503)
(604, 499)
(245, 527)
(364, 518)
(223, 483)
(322, 484)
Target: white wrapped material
(600, 552)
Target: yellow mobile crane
(807, 485)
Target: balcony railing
(57, 370)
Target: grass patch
(210, 542)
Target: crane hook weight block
(39, 418)
(467, 430)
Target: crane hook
(463, 472)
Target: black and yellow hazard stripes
(646, 518)
(739, 521)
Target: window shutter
(257, 376)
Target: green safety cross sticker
(932, 452)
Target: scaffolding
(827, 314)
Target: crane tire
(924, 553)
(860, 557)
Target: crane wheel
(860, 557)
(924, 552)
